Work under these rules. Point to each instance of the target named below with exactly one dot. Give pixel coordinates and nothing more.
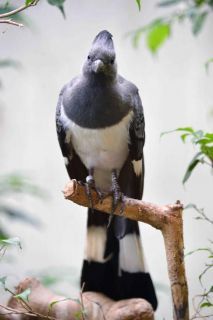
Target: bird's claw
(90, 184)
(117, 198)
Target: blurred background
(176, 91)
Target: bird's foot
(90, 185)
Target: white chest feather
(103, 149)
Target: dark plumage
(101, 132)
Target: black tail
(115, 266)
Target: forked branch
(167, 218)
(15, 11)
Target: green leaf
(23, 295)
(11, 241)
(27, 2)
(209, 136)
(184, 136)
(16, 214)
(199, 2)
(15, 182)
(59, 4)
(207, 64)
(198, 22)
(208, 151)
(3, 281)
(198, 250)
(206, 304)
(137, 35)
(166, 3)
(79, 314)
(5, 63)
(191, 166)
(210, 2)
(185, 129)
(157, 35)
(203, 141)
(139, 4)
(50, 306)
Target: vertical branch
(173, 239)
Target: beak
(98, 66)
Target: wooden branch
(9, 21)
(15, 11)
(96, 306)
(22, 8)
(167, 218)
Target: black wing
(131, 178)
(137, 140)
(74, 165)
(137, 130)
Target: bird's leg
(116, 192)
(117, 195)
(90, 183)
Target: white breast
(102, 149)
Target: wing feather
(74, 165)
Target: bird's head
(101, 58)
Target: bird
(101, 132)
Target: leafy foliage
(5, 63)
(138, 4)
(19, 17)
(11, 241)
(79, 315)
(204, 300)
(159, 30)
(28, 2)
(15, 183)
(3, 281)
(18, 183)
(24, 296)
(157, 35)
(201, 214)
(59, 4)
(203, 142)
(207, 64)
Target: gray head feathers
(104, 39)
(101, 58)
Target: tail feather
(115, 266)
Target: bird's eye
(88, 57)
(112, 61)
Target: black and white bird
(100, 126)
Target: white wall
(175, 91)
